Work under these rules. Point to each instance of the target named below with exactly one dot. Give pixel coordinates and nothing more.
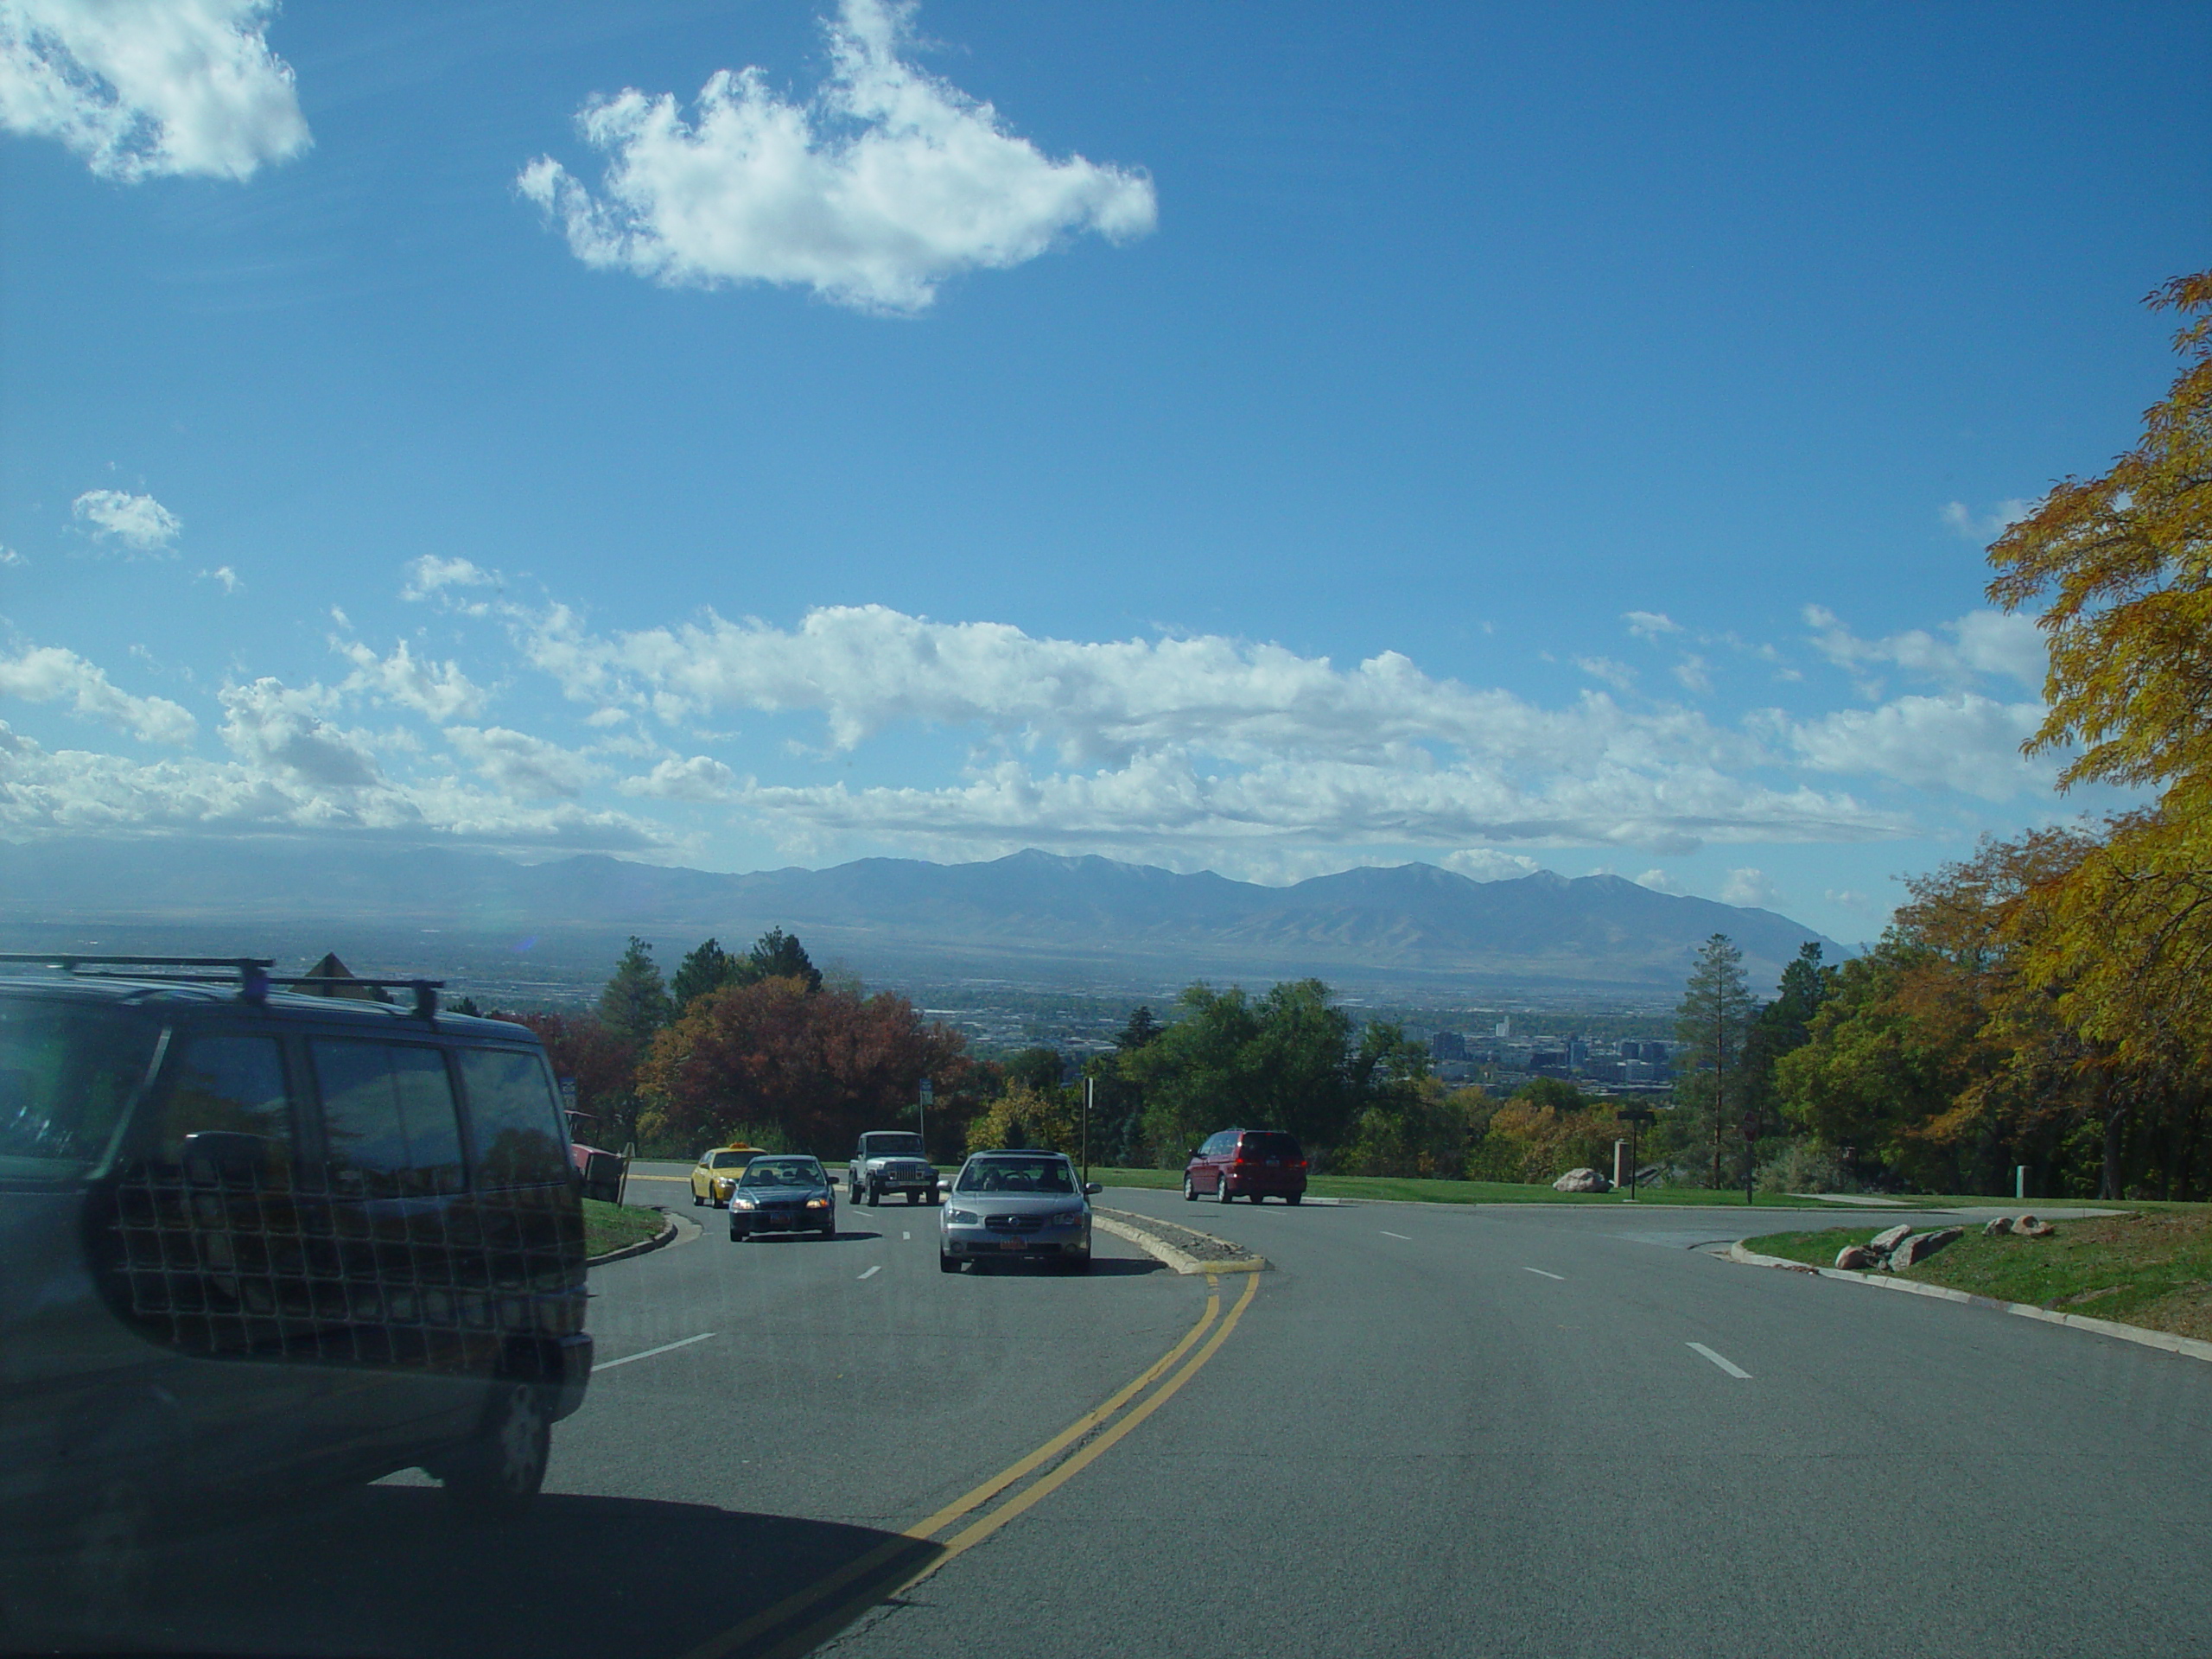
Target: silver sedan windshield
(1011, 1175)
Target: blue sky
(1265, 439)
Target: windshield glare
(783, 1171)
(1018, 1175)
(67, 1075)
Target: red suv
(1252, 1164)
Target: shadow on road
(391, 1570)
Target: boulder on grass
(1997, 1226)
(1582, 1180)
(1883, 1242)
(1920, 1246)
(1857, 1257)
(2032, 1227)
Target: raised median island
(1184, 1248)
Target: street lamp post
(1636, 1117)
(1751, 1143)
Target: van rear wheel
(499, 1472)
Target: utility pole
(1090, 1085)
(922, 1118)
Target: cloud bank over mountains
(975, 738)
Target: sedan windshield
(1018, 1175)
(783, 1171)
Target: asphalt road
(1425, 1430)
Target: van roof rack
(250, 974)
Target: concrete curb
(2188, 1347)
(666, 1236)
(1158, 1248)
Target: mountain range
(1040, 910)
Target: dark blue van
(253, 1240)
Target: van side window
(229, 1086)
(433, 1130)
(387, 1118)
(514, 1118)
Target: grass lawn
(2154, 1270)
(1411, 1190)
(611, 1226)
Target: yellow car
(714, 1176)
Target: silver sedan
(1016, 1207)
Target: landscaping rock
(2029, 1227)
(1582, 1180)
(1883, 1242)
(1919, 1246)
(1998, 1224)
(1857, 1255)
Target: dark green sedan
(782, 1193)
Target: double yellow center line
(804, 1619)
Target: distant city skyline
(789, 433)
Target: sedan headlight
(961, 1218)
(741, 1204)
(1069, 1218)
(817, 1204)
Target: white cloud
(433, 578)
(1962, 522)
(137, 521)
(700, 778)
(1488, 864)
(225, 575)
(1620, 676)
(278, 729)
(1961, 741)
(1691, 674)
(49, 674)
(1983, 642)
(145, 88)
(1750, 888)
(9, 555)
(70, 791)
(1660, 881)
(1204, 739)
(526, 767)
(439, 690)
(1650, 625)
(888, 182)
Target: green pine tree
(635, 1003)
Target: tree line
(2044, 1003)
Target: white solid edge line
(667, 1347)
(873, 1271)
(1387, 1233)
(1727, 1365)
(1560, 1276)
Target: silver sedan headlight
(962, 1218)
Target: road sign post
(1636, 1117)
(922, 1117)
(1090, 1085)
(1750, 1142)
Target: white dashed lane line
(667, 1347)
(873, 1271)
(1727, 1365)
(1387, 1233)
(905, 1235)
(1539, 1271)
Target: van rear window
(66, 1076)
(1269, 1143)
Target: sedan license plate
(1012, 1244)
